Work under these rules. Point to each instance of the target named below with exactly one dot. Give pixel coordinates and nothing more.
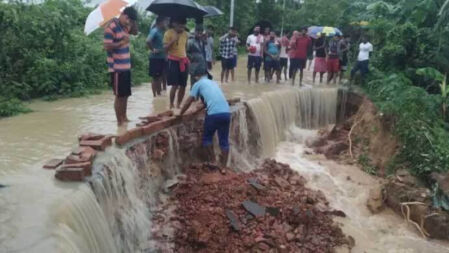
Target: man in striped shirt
(116, 43)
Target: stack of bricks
(78, 164)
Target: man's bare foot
(172, 106)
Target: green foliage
(10, 107)
(44, 52)
(418, 124)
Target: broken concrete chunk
(254, 208)
(254, 183)
(235, 223)
(274, 211)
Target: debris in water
(209, 207)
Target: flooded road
(51, 130)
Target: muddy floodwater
(27, 203)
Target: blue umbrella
(313, 31)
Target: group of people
(174, 55)
(291, 52)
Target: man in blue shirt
(218, 118)
(157, 55)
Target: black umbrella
(177, 8)
(212, 11)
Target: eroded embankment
(366, 138)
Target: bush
(418, 123)
(11, 106)
(45, 54)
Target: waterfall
(274, 112)
(117, 189)
(82, 225)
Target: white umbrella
(105, 12)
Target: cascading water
(275, 112)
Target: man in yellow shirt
(175, 41)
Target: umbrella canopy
(177, 8)
(212, 11)
(104, 13)
(313, 31)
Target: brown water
(27, 206)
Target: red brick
(83, 157)
(233, 101)
(150, 119)
(70, 174)
(188, 116)
(153, 127)
(53, 164)
(158, 154)
(171, 121)
(129, 135)
(90, 137)
(86, 166)
(168, 113)
(100, 144)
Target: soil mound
(366, 138)
(267, 210)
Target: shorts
(217, 123)
(227, 63)
(344, 62)
(320, 65)
(297, 63)
(234, 61)
(174, 75)
(333, 65)
(272, 65)
(283, 62)
(254, 62)
(121, 83)
(157, 67)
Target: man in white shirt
(254, 45)
(365, 48)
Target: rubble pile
(267, 210)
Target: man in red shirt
(299, 45)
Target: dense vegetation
(409, 65)
(44, 53)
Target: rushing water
(112, 212)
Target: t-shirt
(364, 50)
(257, 42)
(177, 49)
(333, 49)
(300, 46)
(272, 48)
(321, 52)
(211, 95)
(119, 59)
(156, 37)
(284, 44)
